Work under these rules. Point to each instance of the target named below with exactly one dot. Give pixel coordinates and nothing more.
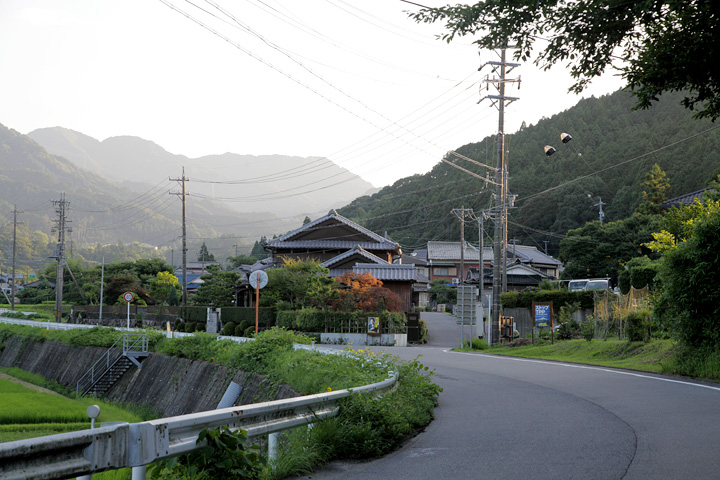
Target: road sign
(128, 297)
(258, 279)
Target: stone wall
(169, 385)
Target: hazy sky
(358, 82)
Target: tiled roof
(355, 250)
(333, 244)
(528, 254)
(687, 199)
(450, 251)
(391, 271)
(377, 240)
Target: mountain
(102, 212)
(244, 183)
(612, 149)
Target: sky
(357, 82)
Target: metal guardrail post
(272, 447)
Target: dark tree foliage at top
(658, 46)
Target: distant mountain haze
(277, 184)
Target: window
(445, 271)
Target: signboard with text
(542, 314)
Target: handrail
(135, 445)
(108, 359)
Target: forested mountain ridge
(244, 183)
(101, 212)
(612, 150)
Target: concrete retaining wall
(168, 385)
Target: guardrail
(138, 444)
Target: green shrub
(223, 455)
(479, 344)
(584, 299)
(244, 325)
(638, 325)
(587, 329)
(229, 329)
(249, 332)
(179, 326)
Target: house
(341, 245)
(683, 200)
(519, 277)
(444, 260)
(326, 238)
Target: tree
(659, 46)
(205, 255)
(239, 260)
(597, 250)
(362, 291)
(124, 282)
(219, 288)
(258, 251)
(655, 189)
(162, 285)
(689, 276)
(301, 283)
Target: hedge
(558, 297)
(314, 320)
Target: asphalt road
(506, 418)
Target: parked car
(577, 285)
(602, 284)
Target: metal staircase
(128, 350)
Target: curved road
(507, 418)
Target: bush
(479, 344)
(249, 332)
(240, 330)
(587, 329)
(229, 329)
(179, 326)
(638, 325)
(223, 455)
(583, 299)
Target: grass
(27, 413)
(654, 356)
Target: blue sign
(542, 315)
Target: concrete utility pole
(61, 226)
(601, 214)
(12, 284)
(182, 181)
(460, 213)
(499, 80)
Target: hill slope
(612, 149)
(245, 183)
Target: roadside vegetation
(366, 426)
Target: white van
(577, 285)
(601, 284)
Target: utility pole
(460, 213)
(499, 80)
(601, 214)
(12, 284)
(61, 226)
(182, 181)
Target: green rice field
(26, 413)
